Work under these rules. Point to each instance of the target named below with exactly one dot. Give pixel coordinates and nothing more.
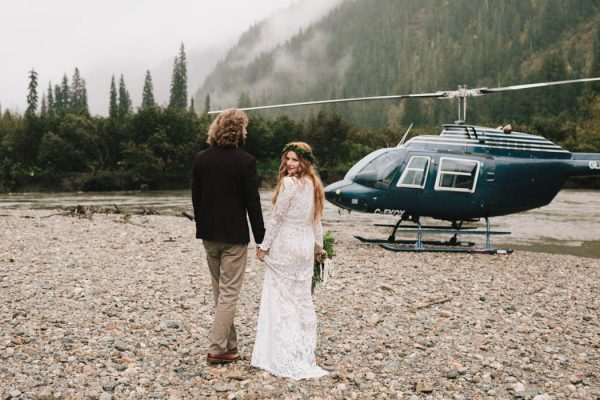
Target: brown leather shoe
(222, 358)
(232, 351)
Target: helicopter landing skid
(451, 246)
(383, 242)
(444, 249)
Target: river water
(569, 225)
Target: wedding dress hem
(316, 374)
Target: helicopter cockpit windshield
(377, 169)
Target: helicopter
(463, 174)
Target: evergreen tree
(84, 99)
(192, 105)
(124, 99)
(112, 106)
(32, 96)
(59, 101)
(207, 104)
(595, 72)
(78, 94)
(44, 107)
(244, 100)
(178, 97)
(51, 105)
(148, 92)
(65, 92)
(551, 100)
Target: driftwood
(536, 290)
(432, 303)
(88, 211)
(188, 216)
(77, 211)
(147, 211)
(54, 215)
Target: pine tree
(32, 96)
(244, 100)
(192, 105)
(84, 99)
(112, 107)
(65, 92)
(78, 94)
(44, 107)
(207, 104)
(124, 99)
(595, 72)
(51, 105)
(59, 102)
(178, 97)
(148, 92)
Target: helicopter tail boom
(585, 164)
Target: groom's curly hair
(228, 129)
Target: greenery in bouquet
(328, 242)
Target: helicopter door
(458, 186)
(410, 186)
(457, 175)
(415, 173)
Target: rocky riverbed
(119, 306)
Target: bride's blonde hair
(305, 168)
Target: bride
(286, 335)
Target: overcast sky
(105, 37)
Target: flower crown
(307, 155)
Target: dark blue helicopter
(465, 173)
(461, 175)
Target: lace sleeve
(318, 230)
(280, 210)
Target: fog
(128, 37)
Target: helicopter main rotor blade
(462, 93)
(534, 85)
(308, 103)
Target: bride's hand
(260, 254)
(320, 254)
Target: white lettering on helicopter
(594, 165)
(388, 211)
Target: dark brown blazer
(224, 190)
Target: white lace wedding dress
(286, 335)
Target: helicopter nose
(335, 195)
(333, 190)
(347, 194)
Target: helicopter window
(457, 175)
(415, 174)
(380, 171)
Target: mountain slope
(380, 47)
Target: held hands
(260, 254)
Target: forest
(362, 48)
(386, 47)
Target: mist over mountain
(261, 40)
(383, 47)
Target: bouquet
(323, 268)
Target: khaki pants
(227, 264)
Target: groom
(224, 190)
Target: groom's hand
(260, 254)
